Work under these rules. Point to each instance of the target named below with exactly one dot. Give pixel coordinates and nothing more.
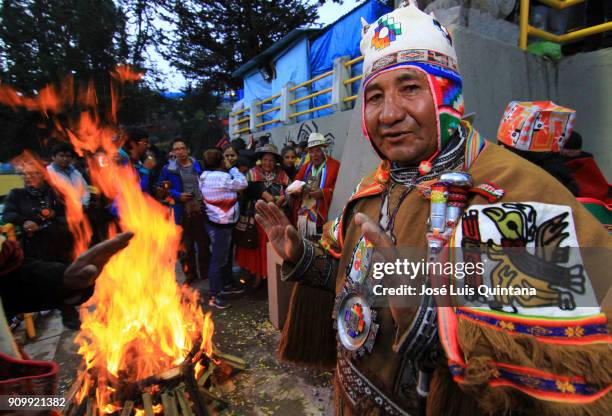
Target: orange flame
(143, 323)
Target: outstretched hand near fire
(84, 270)
(283, 236)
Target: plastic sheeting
(343, 36)
(304, 59)
(340, 39)
(255, 87)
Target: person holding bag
(267, 182)
(219, 189)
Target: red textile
(255, 260)
(591, 181)
(333, 167)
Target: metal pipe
(523, 24)
(561, 4)
(265, 123)
(321, 107)
(268, 111)
(353, 61)
(314, 94)
(348, 81)
(310, 81)
(274, 97)
(238, 112)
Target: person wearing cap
(591, 181)
(319, 173)
(267, 181)
(507, 355)
(537, 131)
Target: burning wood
(145, 341)
(186, 390)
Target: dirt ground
(266, 387)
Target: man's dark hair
(178, 139)
(241, 161)
(263, 140)
(552, 163)
(291, 143)
(135, 134)
(574, 142)
(238, 144)
(213, 159)
(62, 147)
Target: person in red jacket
(311, 205)
(590, 180)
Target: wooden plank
(128, 406)
(91, 407)
(147, 404)
(183, 402)
(232, 360)
(169, 404)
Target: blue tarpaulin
(304, 60)
(342, 38)
(255, 87)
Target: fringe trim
(481, 346)
(308, 338)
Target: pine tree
(212, 39)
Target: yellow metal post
(523, 24)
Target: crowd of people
(438, 185)
(211, 199)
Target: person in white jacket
(219, 190)
(62, 155)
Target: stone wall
(585, 84)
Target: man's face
(400, 116)
(180, 151)
(316, 155)
(62, 159)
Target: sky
(328, 13)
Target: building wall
(333, 127)
(494, 74)
(585, 84)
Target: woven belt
(357, 388)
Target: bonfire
(140, 328)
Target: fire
(139, 322)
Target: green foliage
(212, 39)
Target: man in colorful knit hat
(440, 184)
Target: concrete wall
(585, 84)
(333, 127)
(494, 73)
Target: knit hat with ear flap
(409, 38)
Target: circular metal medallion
(354, 321)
